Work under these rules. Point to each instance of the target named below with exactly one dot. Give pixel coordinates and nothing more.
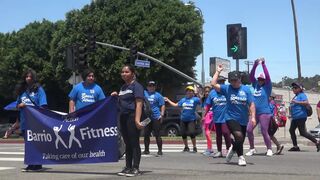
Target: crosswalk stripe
(6, 168)
(12, 153)
(11, 159)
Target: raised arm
(214, 83)
(253, 71)
(265, 70)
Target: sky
(270, 29)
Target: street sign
(215, 61)
(142, 63)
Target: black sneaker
(279, 149)
(124, 171)
(27, 169)
(318, 146)
(146, 152)
(160, 153)
(133, 172)
(294, 148)
(32, 168)
(195, 149)
(186, 149)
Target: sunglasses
(295, 87)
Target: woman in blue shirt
(130, 103)
(188, 117)
(239, 103)
(30, 93)
(299, 116)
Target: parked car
(315, 132)
(171, 122)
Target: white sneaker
(242, 161)
(217, 154)
(207, 152)
(230, 154)
(269, 152)
(251, 152)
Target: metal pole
(157, 61)
(297, 40)
(237, 65)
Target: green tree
(166, 29)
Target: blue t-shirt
(128, 95)
(156, 102)
(38, 97)
(261, 96)
(299, 111)
(86, 95)
(238, 102)
(219, 105)
(189, 106)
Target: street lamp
(296, 39)
(202, 49)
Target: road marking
(11, 159)
(12, 153)
(6, 168)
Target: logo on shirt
(188, 105)
(127, 91)
(87, 98)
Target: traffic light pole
(237, 65)
(157, 61)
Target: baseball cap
(297, 84)
(190, 88)
(151, 83)
(234, 75)
(261, 76)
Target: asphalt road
(175, 165)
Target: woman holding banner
(30, 93)
(130, 101)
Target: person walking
(262, 90)
(299, 116)
(218, 103)
(158, 107)
(239, 103)
(30, 93)
(207, 121)
(273, 124)
(86, 92)
(188, 117)
(131, 99)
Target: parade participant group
(232, 110)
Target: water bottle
(145, 122)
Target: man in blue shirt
(86, 92)
(156, 101)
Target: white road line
(12, 153)
(11, 159)
(6, 168)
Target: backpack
(309, 110)
(146, 109)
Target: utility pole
(248, 63)
(297, 40)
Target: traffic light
(91, 42)
(237, 41)
(80, 57)
(133, 53)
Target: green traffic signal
(234, 48)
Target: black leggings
(301, 125)
(155, 126)
(130, 134)
(238, 131)
(188, 128)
